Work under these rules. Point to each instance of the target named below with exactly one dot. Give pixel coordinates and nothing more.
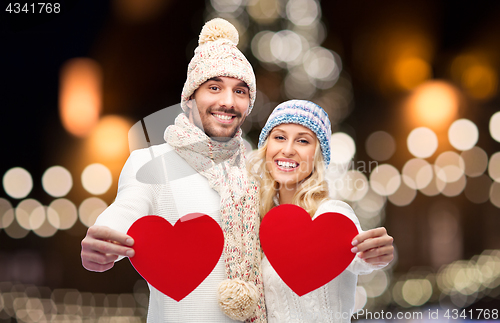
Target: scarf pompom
(237, 298)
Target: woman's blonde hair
(311, 192)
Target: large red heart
(176, 259)
(307, 254)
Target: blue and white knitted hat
(304, 113)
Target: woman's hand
(374, 246)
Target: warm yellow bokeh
(433, 104)
(476, 74)
(410, 72)
(109, 140)
(80, 95)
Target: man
(218, 94)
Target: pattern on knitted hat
(215, 56)
(304, 113)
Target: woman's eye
(303, 141)
(279, 137)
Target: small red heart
(176, 259)
(307, 254)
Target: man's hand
(374, 246)
(102, 246)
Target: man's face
(219, 107)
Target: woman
(290, 164)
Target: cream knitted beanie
(217, 55)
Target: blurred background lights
(303, 12)
(410, 72)
(62, 214)
(476, 75)
(374, 283)
(6, 213)
(449, 166)
(17, 182)
(342, 148)
(57, 181)
(226, 5)
(261, 46)
(494, 167)
(417, 173)
(138, 11)
(433, 104)
(264, 11)
(495, 194)
(476, 161)
(403, 196)
(109, 138)
(24, 211)
(96, 179)
(80, 96)
(422, 142)
(454, 188)
(297, 84)
(353, 186)
(416, 291)
(90, 209)
(322, 64)
(385, 179)
(380, 145)
(495, 126)
(477, 189)
(463, 134)
(286, 46)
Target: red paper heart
(176, 259)
(307, 254)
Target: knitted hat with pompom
(215, 56)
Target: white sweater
(167, 186)
(333, 302)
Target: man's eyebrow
(218, 79)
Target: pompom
(237, 298)
(218, 28)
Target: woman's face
(290, 153)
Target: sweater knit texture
(331, 303)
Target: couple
(288, 168)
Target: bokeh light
(403, 196)
(417, 173)
(302, 12)
(374, 283)
(139, 11)
(435, 186)
(494, 167)
(449, 166)
(322, 64)
(17, 182)
(433, 104)
(90, 209)
(463, 134)
(495, 194)
(380, 145)
(57, 181)
(422, 142)
(495, 126)
(480, 81)
(96, 179)
(454, 188)
(62, 214)
(410, 72)
(416, 292)
(24, 211)
(286, 46)
(261, 46)
(80, 95)
(360, 299)
(477, 189)
(109, 138)
(264, 11)
(342, 148)
(226, 5)
(385, 179)
(353, 186)
(6, 213)
(476, 161)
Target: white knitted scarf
(241, 297)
